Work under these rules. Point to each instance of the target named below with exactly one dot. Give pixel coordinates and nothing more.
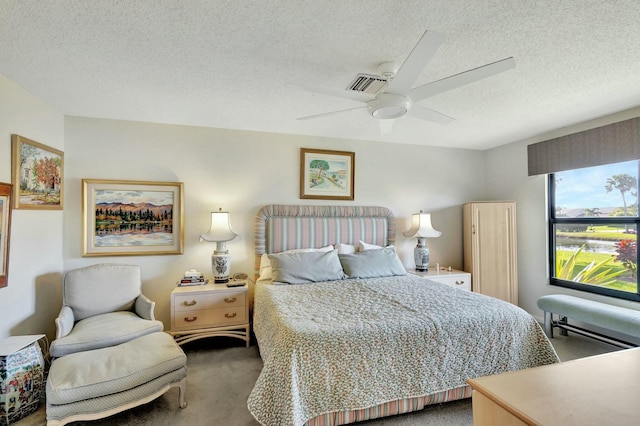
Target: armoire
(489, 234)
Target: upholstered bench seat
(615, 318)
(94, 384)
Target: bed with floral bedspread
(353, 344)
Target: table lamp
(220, 232)
(421, 229)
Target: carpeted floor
(222, 373)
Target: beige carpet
(222, 373)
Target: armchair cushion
(102, 288)
(104, 330)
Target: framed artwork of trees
(37, 175)
(327, 175)
(132, 218)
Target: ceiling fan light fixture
(389, 105)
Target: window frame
(553, 221)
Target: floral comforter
(348, 344)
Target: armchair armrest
(144, 307)
(64, 321)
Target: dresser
(598, 390)
(210, 310)
(489, 235)
(453, 277)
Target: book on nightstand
(192, 277)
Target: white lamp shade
(421, 227)
(220, 229)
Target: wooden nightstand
(453, 278)
(210, 310)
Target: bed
(339, 348)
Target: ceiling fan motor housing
(389, 106)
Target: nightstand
(453, 278)
(210, 310)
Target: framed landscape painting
(37, 175)
(131, 218)
(326, 175)
(5, 231)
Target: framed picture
(131, 218)
(37, 173)
(5, 231)
(326, 175)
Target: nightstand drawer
(192, 302)
(210, 318)
(460, 282)
(450, 277)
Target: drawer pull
(459, 282)
(190, 319)
(230, 299)
(186, 303)
(230, 315)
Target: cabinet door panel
(490, 248)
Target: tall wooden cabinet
(489, 230)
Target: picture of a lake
(125, 218)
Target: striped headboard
(285, 227)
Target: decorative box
(21, 377)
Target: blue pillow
(372, 263)
(306, 267)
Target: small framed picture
(37, 173)
(326, 175)
(5, 231)
(132, 218)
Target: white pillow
(364, 246)
(266, 272)
(345, 248)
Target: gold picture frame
(327, 175)
(37, 175)
(5, 231)
(132, 218)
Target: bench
(94, 384)
(614, 318)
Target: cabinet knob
(190, 319)
(230, 315)
(230, 299)
(459, 282)
(187, 303)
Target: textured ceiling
(259, 65)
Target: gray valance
(613, 143)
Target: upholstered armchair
(102, 306)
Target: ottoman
(99, 383)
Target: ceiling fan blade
(327, 114)
(429, 115)
(457, 80)
(415, 62)
(343, 94)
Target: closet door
(489, 230)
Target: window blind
(608, 144)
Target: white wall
(242, 171)
(32, 298)
(507, 179)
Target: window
(593, 228)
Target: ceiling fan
(391, 94)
